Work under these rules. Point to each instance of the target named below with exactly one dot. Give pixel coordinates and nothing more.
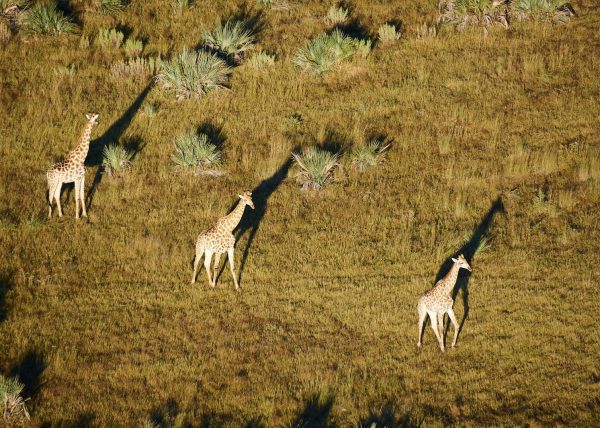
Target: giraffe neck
(446, 284)
(80, 151)
(231, 220)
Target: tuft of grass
(195, 153)
(261, 60)
(388, 33)
(232, 39)
(193, 74)
(46, 19)
(328, 50)
(65, 70)
(426, 31)
(14, 407)
(133, 48)
(110, 38)
(336, 15)
(116, 160)
(136, 68)
(84, 42)
(111, 6)
(369, 154)
(474, 13)
(316, 167)
(181, 4)
(149, 110)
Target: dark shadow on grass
(29, 371)
(315, 413)
(251, 221)
(6, 284)
(164, 415)
(214, 133)
(469, 249)
(112, 134)
(390, 416)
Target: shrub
(261, 60)
(133, 47)
(194, 152)
(110, 38)
(232, 39)
(11, 399)
(137, 68)
(111, 6)
(465, 13)
(557, 10)
(369, 154)
(316, 168)
(45, 19)
(193, 74)
(325, 51)
(336, 15)
(116, 160)
(388, 33)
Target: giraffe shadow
(251, 222)
(390, 415)
(6, 284)
(112, 134)
(29, 371)
(316, 412)
(469, 249)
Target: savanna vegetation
(416, 137)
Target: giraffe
(71, 170)
(438, 301)
(219, 239)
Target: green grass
(45, 19)
(97, 317)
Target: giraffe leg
(51, 191)
(441, 325)
(455, 323)
(77, 185)
(422, 316)
(82, 196)
(207, 256)
(231, 263)
(57, 197)
(196, 261)
(215, 266)
(434, 326)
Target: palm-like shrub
(193, 74)
(116, 160)
(558, 10)
(194, 152)
(483, 13)
(11, 399)
(388, 33)
(133, 47)
(316, 167)
(336, 15)
(110, 38)
(324, 51)
(369, 154)
(111, 6)
(233, 39)
(44, 18)
(261, 60)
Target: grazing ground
(495, 147)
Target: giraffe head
(247, 198)
(462, 262)
(92, 117)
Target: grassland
(494, 139)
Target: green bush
(193, 74)
(232, 39)
(388, 33)
(116, 160)
(11, 400)
(133, 47)
(110, 38)
(369, 154)
(316, 167)
(194, 152)
(46, 19)
(327, 50)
